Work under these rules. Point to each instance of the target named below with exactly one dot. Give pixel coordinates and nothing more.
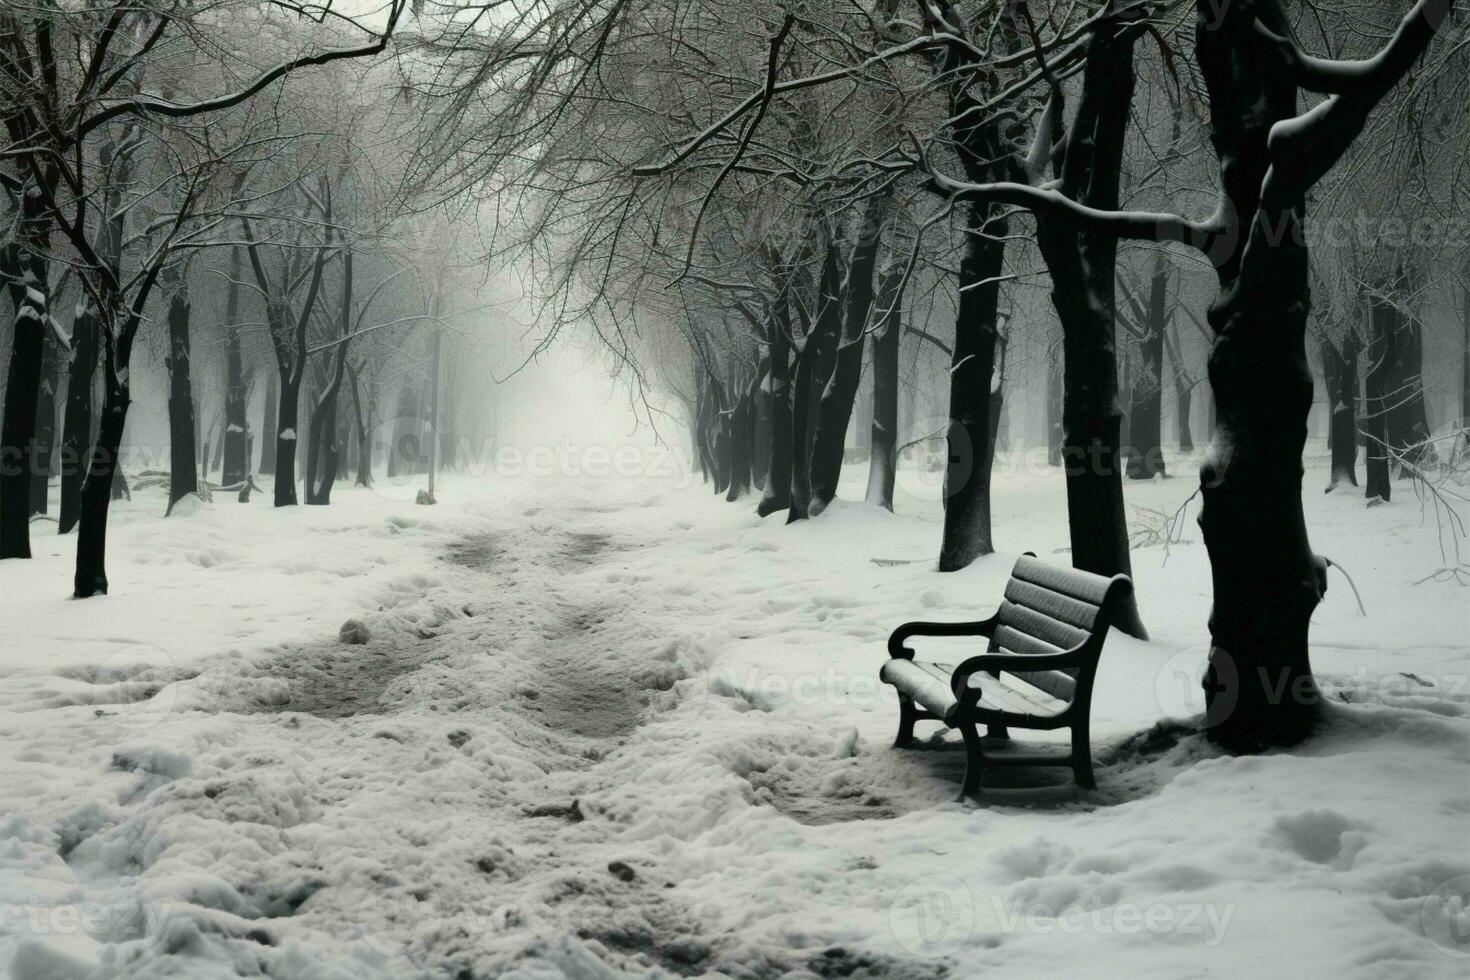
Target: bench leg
(974, 761)
(997, 731)
(907, 715)
(1082, 757)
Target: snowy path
(607, 730)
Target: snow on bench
(1036, 673)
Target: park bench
(1036, 673)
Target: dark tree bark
(1184, 383)
(103, 470)
(776, 494)
(982, 141)
(360, 416)
(999, 421)
(834, 409)
(1083, 271)
(969, 450)
(27, 272)
(1145, 429)
(813, 367)
(1259, 687)
(46, 423)
(883, 451)
(321, 466)
(1340, 373)
(268, 427)
(1465, 353)
(719, 428)
(183, 466)
(288, 339)
(1382, 333)
(738, 426)
(1408, 420)
(1054, 427)
(235, 464)
(77, 424)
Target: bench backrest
(1048, 609)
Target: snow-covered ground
(608, 727)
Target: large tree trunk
(834, 410)
(883, 452)
(967, 531)
(1259, 687)
(1084, 275)
(813, 367)
(1340, 372)
(1146, 454)
(183, 466)
(77, 427)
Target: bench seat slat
(926, 682)
(998, 695)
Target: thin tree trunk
(322, 451)
(776, 494)
(1408, 420)
(813, 367)
(1146, 455)
(1183, 391)
(27, 267)
(1465, 354)
(46, 423)
(268, 426)
(235, 466)
(969, 450)
(287, 437)
(1054, 399)
(1383, 328)
(1340, 373)
(364, 450)
(77, 427)
(883, 454)
(834, 410)
(103, 471)
(737, 424)
(183, 465)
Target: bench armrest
(1012, 663)
(896, 646)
